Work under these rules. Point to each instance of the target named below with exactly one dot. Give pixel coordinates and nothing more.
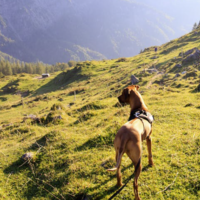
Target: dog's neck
(137, 102)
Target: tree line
(195, 26)
(11, 68)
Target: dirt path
(37, 77)
(152, 79)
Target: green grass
(71, 155)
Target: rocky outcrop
(178, 66)
(189, 52)
(32, 117)
(197, 89)
(177, 75)
(153, 70)
(28, 156)
(134, 80)
(192, 55)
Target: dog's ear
(137, 87)
(126, 93)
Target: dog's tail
(119, 154)
(119, 158)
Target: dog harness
(141, 114)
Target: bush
(20, 130)
(197, 89)
(72, 63)
(122, 60)
(57, 106)
(55, 117)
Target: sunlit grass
(71, 154)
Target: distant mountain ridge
(4, 56)
(52, 31)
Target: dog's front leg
(148, 139)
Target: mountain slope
(4, 56)
(68, 122)
(84, 30)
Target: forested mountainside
(52, 31)
(6, 57)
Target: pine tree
(26, 67)
(30, 70)
(3, 67)
(1, 74)
(195, 26)
(198, 24)
(18, 66)
(8, 69)
(39, 69)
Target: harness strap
(142, 123)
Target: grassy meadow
(78, 116)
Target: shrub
(72, 63)
(57, 106)
(122, 60)
(55, 117)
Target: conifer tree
(8, 69)
(195, 26)
(30, 69)
(39, 68)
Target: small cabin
(45, 75)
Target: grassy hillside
(68, 123)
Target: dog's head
(124, 98)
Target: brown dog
(130, 136)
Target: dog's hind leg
(119, 154)
(138, 169)
(120, 146)
(149, 150)
(118, 157)
(134, 152)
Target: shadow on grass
(114, 188)
(16, 167)
(146, 168)
(62, 80)
(97, 142)
(11, 87)
(44, 176)
(127, 181)
(21, 164)
(101, 140)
